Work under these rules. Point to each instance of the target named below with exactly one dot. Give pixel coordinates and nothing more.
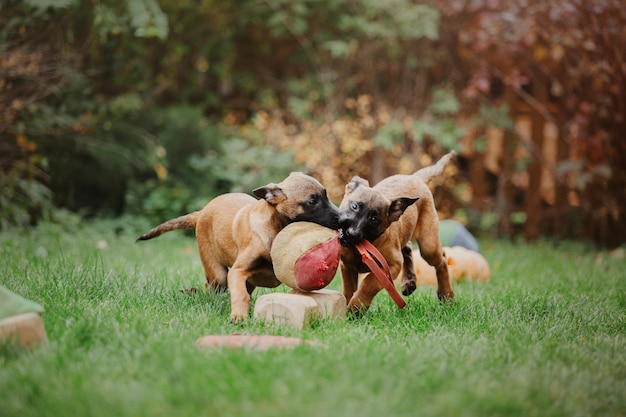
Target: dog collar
(375, 261)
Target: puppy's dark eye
(354, 206)
(313, 201)
(374, 218)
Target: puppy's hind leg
(438, 259)
(409, 280)
(216, 275)
(431, 251)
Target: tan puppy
(468, 264)
(462, 264)
(235, 233)
(397, 210)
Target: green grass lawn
(545, 337)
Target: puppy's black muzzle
(326, 214)
(348, 239)
(349, 233)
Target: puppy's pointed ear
(355, 183)
(398, 206)
(271, 193)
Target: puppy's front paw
(408, 287)
(237, 318)
(239, 312)
(446, 296)
(356, 308)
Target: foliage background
(152, 107)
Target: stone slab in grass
(258, 342)
(298, 308)
(330, 304)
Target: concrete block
(330, 304)
(282, 308)
(297, 308)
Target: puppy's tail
(188, 221)
(433, 175)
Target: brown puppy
(235, 233)
(392, 213)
